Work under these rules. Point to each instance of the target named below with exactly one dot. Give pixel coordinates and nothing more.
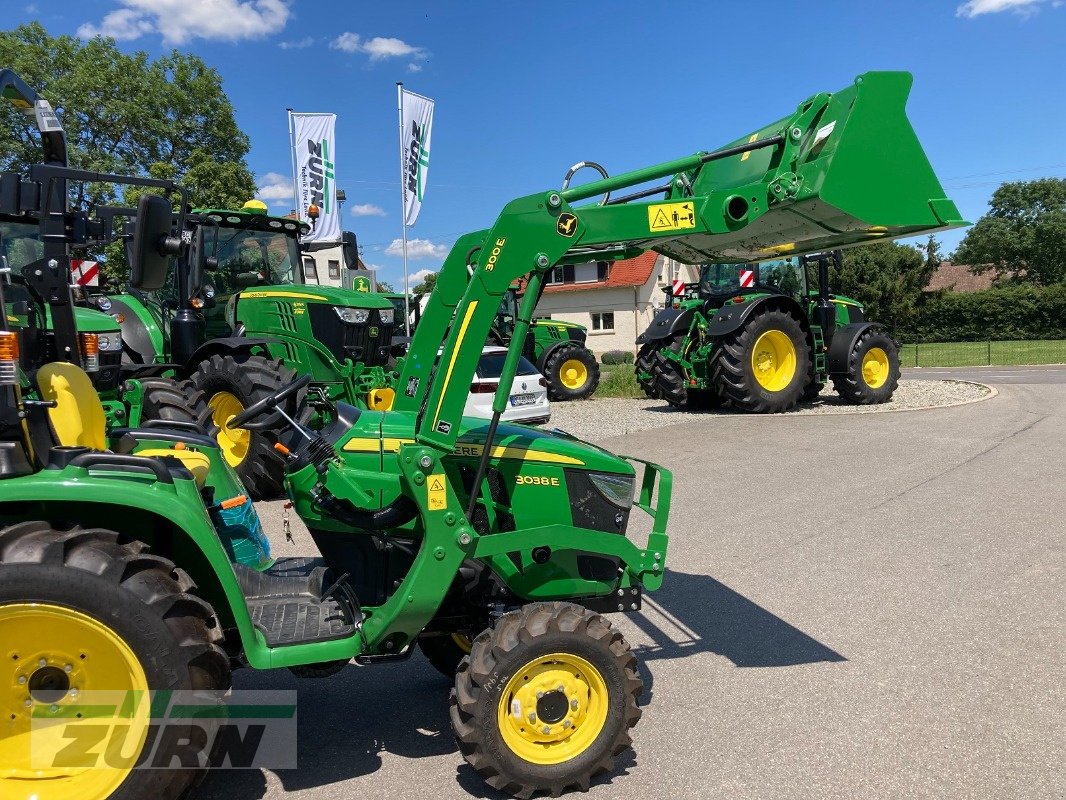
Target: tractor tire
(671, 383)
(90, 609)
(873, 370)
(231, 385)
(763, 366)
(572, 373)
(534, 650)
(445, 652)
(176, 401)
(812, 390)
(646, 365)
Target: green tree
(126, 113)
(887, 278)
(1022, 238)
(426, 285)
(931, 251)
(385, 286)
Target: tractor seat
(78, 417)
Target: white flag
(417, 113)
(315, 156)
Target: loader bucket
(850, 171)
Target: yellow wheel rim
(573, 374)
(61, 670)
(553, 709)
(462, 641)
(234, 442)
(875, 367)
(773, 360)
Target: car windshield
(254, 258)
(491, 366)
(21, 243)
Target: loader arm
(844, 169)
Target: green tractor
(236, 319)
(759, 337)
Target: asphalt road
(860, 606)
(994, 375)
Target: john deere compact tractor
(236, 318)
(448, 533)
(759, 337)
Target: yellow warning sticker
(671, 216)
(438, 492)
(747, 153)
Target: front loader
(435, 530)
(762, 336)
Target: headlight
(386, 315)
(110, 342)
(103, 303)
(616, 489)
(353, 316)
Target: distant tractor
(760, 337)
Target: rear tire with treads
(763, 366)
(873, 369)
(671, 383)
(89, 599)
(646, 365)
(565, 362)
(495, 696)
(231, 384)
(176, 401)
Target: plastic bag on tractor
(860, 175)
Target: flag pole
(292, 153)
(403, 214)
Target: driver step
(286, 604)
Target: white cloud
(297, 44)
(414, 67)
(417, 248)
(974, 8)
(179, 21)
(379, 47)
(367, 210)
(275, 188)
(418, 276)
(373, 267)
(32, 8)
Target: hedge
(1009, 313)
(617, 357)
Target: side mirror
(196, 261)
(152, 243)
(350, 250)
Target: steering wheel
(268, 403)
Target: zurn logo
(320, 174)
(417, 160)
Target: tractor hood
(331, 295)
(536, 446)
(89, 320)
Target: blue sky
(524, 90)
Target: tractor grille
(367, 343)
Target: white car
(528, 402)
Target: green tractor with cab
(763, 336)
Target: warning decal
(671, 216)
(438, 493)
(747, 278)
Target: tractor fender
(667, 322)
(227, 345)
(733, 317)
(550, 351)
(843, 342)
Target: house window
(563, 274)
(334, 269)
(601, 270)
(310, 270)
(603, 321)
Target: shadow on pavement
(347, 721)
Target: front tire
(764, 365)
(672, 384)
(873, 369)
(230, 386)
(546, 699)
(86, 610)
(645, 367)
(572, 373)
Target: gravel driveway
(599, 418)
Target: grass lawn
(618, 380)
(977, 354)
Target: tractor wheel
(445, 652)
(230, 386)
(175, 401)
(763, 366)
(546, 699)
(572, 373)
(672, 385)
(646, 365)
(87, 616)
(812, 390)
(873, 370)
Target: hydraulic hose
(399, 512)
